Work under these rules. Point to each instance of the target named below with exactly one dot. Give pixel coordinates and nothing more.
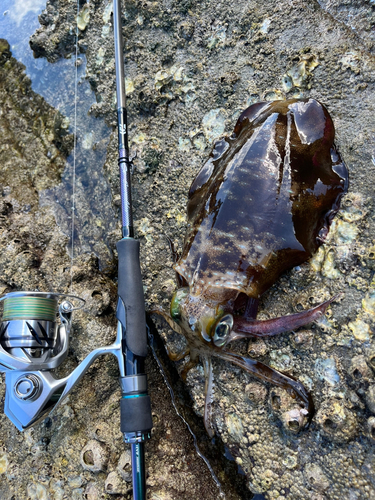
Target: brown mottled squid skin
(262, 204)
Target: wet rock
(63, 42)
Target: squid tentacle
(168, 319)
(243, 328)
(208, 394)
(263, 372)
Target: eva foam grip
(136, 414)
(130, 290)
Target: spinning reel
(33, 342)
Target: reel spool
(30, 337)
(31, 343)
(29, 334)
(34, 339)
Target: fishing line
(173, 400)
(74, 151)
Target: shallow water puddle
(56, 83)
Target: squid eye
(222, 330)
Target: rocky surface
(78, 452)
(191, 68)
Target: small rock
(83, 17)
(293, 417)
(56, 488)
(303, 339)
(252, 438)
(280, 361)
(4, 462)
(371, 358)
(291, 460)
(77, 494)
(102, 432)
(361, 330)
(213, 124)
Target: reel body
(34, 339)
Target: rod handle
(130, 291)
(136, 414)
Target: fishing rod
(35, 327)
(136, 420)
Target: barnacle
(94, 456)
(336, 421)
(83, 17)
(213, 124)
(326, 370)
